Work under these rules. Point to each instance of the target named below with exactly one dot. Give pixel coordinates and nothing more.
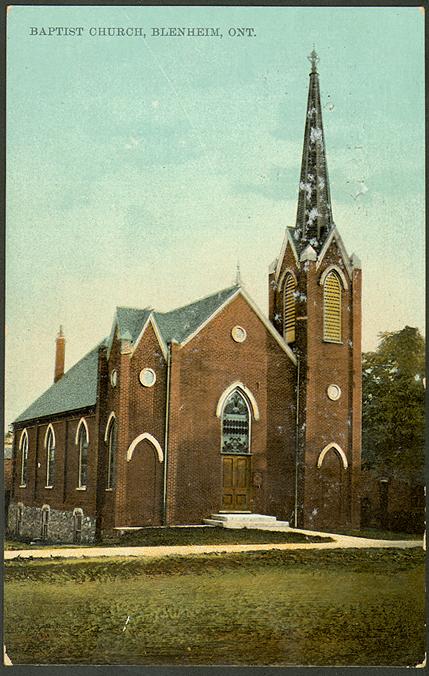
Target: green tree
(393, 380)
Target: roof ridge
(198, 300)
(129, 307)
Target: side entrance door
(236, 483)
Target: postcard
(215, 377)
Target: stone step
(246, 520)
(243, 516)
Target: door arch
(331, 468)
(236, 420)
(144, 482)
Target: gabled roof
(76, 389)
(131, 320)
(179, 324)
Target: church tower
(315, 303)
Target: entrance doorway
(235, 483)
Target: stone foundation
(60, 526)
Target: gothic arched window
(83, 442)
(50, 457)
(111, 453)
(236, 424)
(332, 308)
(289, 311)
(24, 458)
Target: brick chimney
(60, 351)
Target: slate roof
(131, 320)
(78, 386)
(76, 389)
(180, 323)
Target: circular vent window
(239, 334)
(147, 377)
(334, 392)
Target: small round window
(147, 377)
(114, 378)
(334, 392)
(239, 334)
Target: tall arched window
(289, 311)
(332, 308)
(236, 424)
(111, 453)
(50, 457)
(82, 442)
(24, 458)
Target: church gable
(256, 315)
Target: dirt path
(339, 542)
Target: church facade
(212, 407)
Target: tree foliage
(393, 380)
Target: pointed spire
(314, 214)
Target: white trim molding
(49, 427)
(111, 417)
(288, 271)
(83, 422)
(286, 240)
(24, 433)
(149, 438)
(247, 393)
(334, 234)
(151, 320)
(336, 448)
(339, 272)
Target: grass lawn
(210, 535)
(376, 534)
(325, 607)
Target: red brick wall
(201, 371)
(322, 421)
(63, 494)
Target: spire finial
(61, 332)
(314, 59)
(238, 274)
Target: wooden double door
(236, 483)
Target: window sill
(81, 488)
(22, 485)
(109, 489)
(333, 342)
(48, 486)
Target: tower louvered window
(332, 308)
(289, 311)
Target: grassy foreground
(347, 607)
(210, 535)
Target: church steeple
(314, 213)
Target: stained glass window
(111, 459)
(24, 459)
(235, 425)
(50, 458)
(83, 457)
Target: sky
(140, 169)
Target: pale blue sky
(138, 170)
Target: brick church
(212, 407)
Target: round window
(334, 392)
(147, 377)
(239, 334)
(114, 378)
